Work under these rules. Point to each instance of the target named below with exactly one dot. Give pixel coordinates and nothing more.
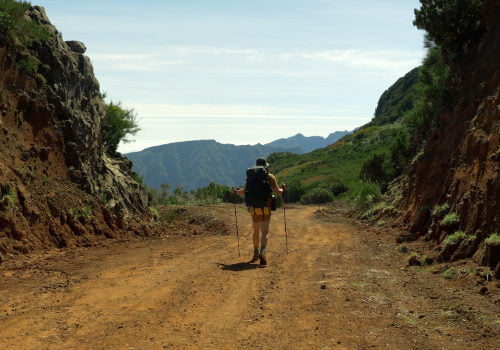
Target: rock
(76, 46)
(403, 250)
(414, 261)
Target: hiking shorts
(260, 214)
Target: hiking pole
(284, 217)
(237, 231)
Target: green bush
(431, 97)
(450, 219)
(373, 169)
(455, 238)
(455, 25)
(494, 238)
(367, 195)
(13, 22)
(448, 273)
(440, 210)
(317, 196)
(118, 124)
(338, 189)
(294, 192)
(28, 65)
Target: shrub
(431, 97)
(450, 219)
(440, 210)
(294, 192)
(118, 124)
(154, 212)
(373, 169)
(454, 25)
(8, 199)
(368, 194)
(493, 239)
(338, 189)
(448, 273)
(455, 238)
(317, 196)
(28, 65)
(138, 178)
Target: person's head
(262, 162)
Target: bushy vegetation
(440, 210)
(317, 196)
(455, 238)
(431, 98)
(13, 22)
(118, 124)
(212, 194)
(494, 238)
(450, 219)
(453, 25)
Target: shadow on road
(241, 266)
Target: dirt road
(339, 287)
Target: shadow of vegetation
(241, 266)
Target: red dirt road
(339, 287)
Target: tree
(118, 124)
(454, 25)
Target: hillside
(58, 186)
(335, 169)
(194, 164)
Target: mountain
(194, 164)
(308, 144)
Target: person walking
(258, 192)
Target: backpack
(257, 188)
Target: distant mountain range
(308, 143)
(194, 164)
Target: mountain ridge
(211, 161)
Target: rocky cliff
(457, 174)
(58, 186)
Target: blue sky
(243, 71)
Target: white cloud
(176, 111)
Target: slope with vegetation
(358, 166)
(60, 183)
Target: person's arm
(274, 185)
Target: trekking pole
(237, 231)
(284, 217)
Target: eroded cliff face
(460, 163)
(58, 187)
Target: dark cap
(262, 162)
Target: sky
(243, 71)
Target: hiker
(258, 190)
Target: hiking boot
(263, 260)
(255, 255)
